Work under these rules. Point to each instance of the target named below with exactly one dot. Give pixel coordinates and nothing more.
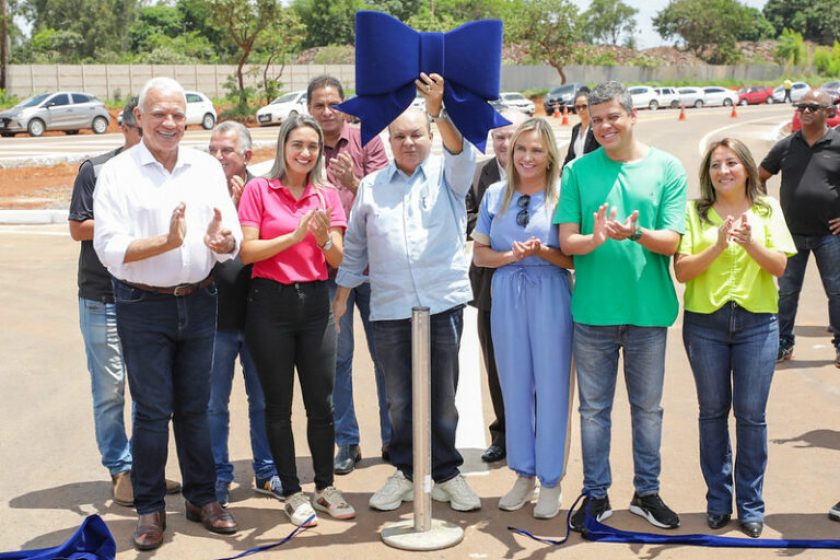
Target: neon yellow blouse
(734, 275)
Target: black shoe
(785, 351)
(493, 453)
(716, 521)
(348, 456)
(752, 528)
(599, 508)
(386, 454)
(834, 513)
(655, 511)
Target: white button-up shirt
(134, 199)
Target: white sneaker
(397, 490)
(548, 504)
(458, 493)
(331, 501)
(300, 511)
(521, 493)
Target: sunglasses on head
(812, 107)
(522, 217)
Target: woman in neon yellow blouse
(735, 243)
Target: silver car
(64, 110)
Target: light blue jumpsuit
(532, 329)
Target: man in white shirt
(163, 219)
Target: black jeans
(291, 326)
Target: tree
(815, 20)
(710, 28)
(328, 23)
(283, 38)
(400, 9)
(607, 20)
(547, 29)
(151, 23)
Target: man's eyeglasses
(522, 217)
(581, 107)
(812, 107)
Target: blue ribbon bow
(390, 56)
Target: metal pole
(421, 414)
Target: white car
(644, 96)
(796, 92)
(692, 96)
(715, 96)
(515, 100)
(286, 105)
(200, 110)
(668, 97)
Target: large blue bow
(390, 56)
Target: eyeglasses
(522, 217)
(581, 107)
(812, 107)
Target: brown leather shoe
(149, 532)
(121, 489)
(212, 516)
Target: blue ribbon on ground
(91, 541)
(390, 56)
(265, 547)
(596, 531)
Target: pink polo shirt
(269, 206)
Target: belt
(181, 290)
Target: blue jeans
(346, 425)
(168, 349)
(98, 323)
(393, 343)
(227, 345)
(826, 249)
(595, 350)
(733, 355)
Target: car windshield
(32, 101)
(285, 98)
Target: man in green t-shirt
(621, 213)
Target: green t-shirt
(734, 275)
(621, 282)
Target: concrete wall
(118, 80)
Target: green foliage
(604, 58)
(547, 28)
(759, 28)
(400, 9)
(790, 48)
(827, 61)
(710, 28)
(328, 23)
(815, 20)
(152, 23)
(607, 20)
(7, 100)
(643, 60)
(50, 45)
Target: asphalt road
(52, 477)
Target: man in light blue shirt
(407, 229)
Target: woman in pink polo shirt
(292, 224)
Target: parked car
(200, 110)
(288, 104)
(563, 96)
(63, 110)
(515, 100)
(644, 97)
(691, 96)
(755, 95)
(796, 92)
(668, 97)
(833, 118)
(715, 96)
(832, 89)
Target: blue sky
(646, 36)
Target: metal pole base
(403, 535)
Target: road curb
(33, 217)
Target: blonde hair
(552, 171)
(278, 170)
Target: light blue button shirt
(409, 233)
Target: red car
(755, 95)
(833, 119)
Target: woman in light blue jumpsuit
(530, 320)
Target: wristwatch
(328, 245)
(636, 235)
(442, 116)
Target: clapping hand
(341, 169)
(219, 239)
(523, 249)
(725, 232)
(236, 185)
(319, 225)
(622, 230)
(177, 226)
(742, 235)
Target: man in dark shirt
(347, 162)
(230, 143)
(98, 323)
(809, 161)
(487, 173)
